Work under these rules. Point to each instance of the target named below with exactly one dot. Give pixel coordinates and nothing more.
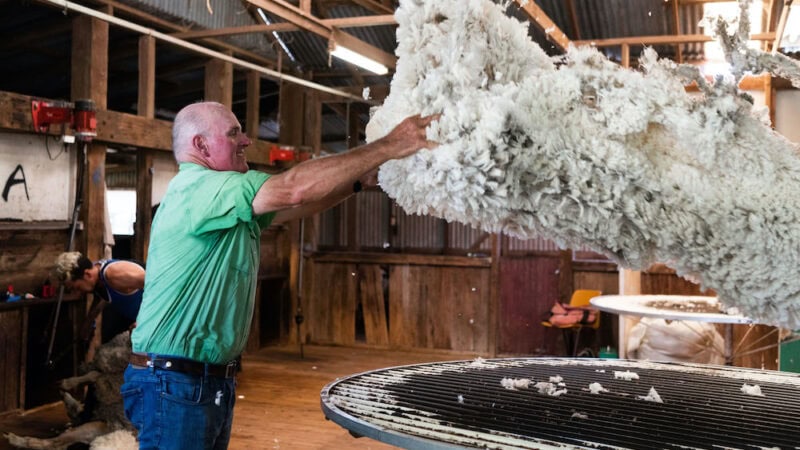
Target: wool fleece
(582, 151)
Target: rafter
(787, 6)
(663, 40)
(676, 28)
(344, 22)
(373, 5)
(544, 22)
(315, 25)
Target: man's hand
(409, 136)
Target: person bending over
(115, 283)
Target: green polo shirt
(202, 266)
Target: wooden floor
(279, 402)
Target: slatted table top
(541, 403)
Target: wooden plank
(219, 82)
(443, 311)
(494, 295)
(343, 307)
(147, 77)
(663, 40)
(376, 328)
(144, 202)
(403, 259)
(283, 27)
(10, 360)
(90, 80)
(112, 127)
(528, 288)
(545, 23)
(252, 119)
(406, 312)
(464, 300)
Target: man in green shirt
(202, 265)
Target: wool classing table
(544, 403)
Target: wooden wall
(28, 256)
(399, 302)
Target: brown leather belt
(185, 365)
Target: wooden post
(219, 82)
(144, 158)
(566, 283)
(90, 81)
(252, 121)
(492, 314)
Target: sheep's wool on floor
(584, 152)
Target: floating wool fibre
(581, 151)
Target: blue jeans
(175, 410)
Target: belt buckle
(230, 369)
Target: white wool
(581, 151)
(548, 388)
(556, 379)
(627, 375)
(596, 388)
(652, 396)
(117, 440)
(676, 340)
(752, 389)
(515, 383)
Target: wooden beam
(676, 29)
(219, 82)
(252, 119)
(144, 204)
(144, 159)
(315, 25)
(167, 25)
(573, 19)
(787, 6)
(113, 127)
(545, 23)
(662, 40)
(769, 98)
(373, 5)
(343, 22)
(146, 103)
(90, 81)
(625, 57)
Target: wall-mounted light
(358, 59)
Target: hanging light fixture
(358, 59)
(357, 52)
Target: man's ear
(199, 143)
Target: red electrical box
(287, 153)
(79, 115)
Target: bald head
(208, 134)
(195, 119)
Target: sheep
(101, 423)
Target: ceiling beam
(315, 25)
(787, 6)
(373, 5)
(573, 18)
(544, 22)
(663, 40)
(345, 22)
(676, 29)
(165, 24)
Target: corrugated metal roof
(222, 14)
